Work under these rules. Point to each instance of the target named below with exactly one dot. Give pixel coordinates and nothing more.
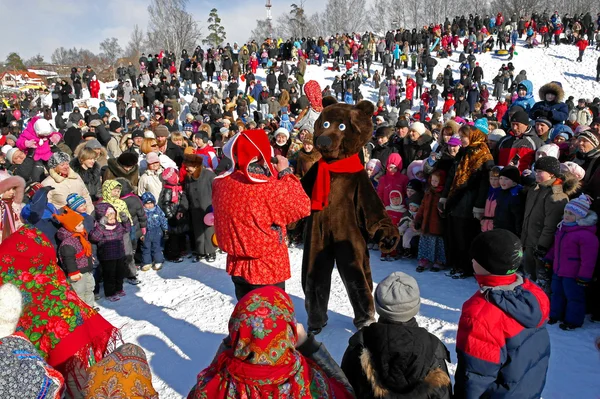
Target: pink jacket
(389, 182)
(41, 145)
(487, 223)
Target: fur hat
(548, 164)
(190, 158)
(418, 127)
(498, 251)
(161, 131)
(308, 138)
(554, 88)
(496, 135)
(170, 176)
(69, 219)
(74, 201)
(43, 128)
(482, 125)
(8, 181)
(57, 158)
(512, 173)
(579, 206)
(397, 298)
(152, 157)
(11, 306)
(128, 159)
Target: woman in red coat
(253, 203)
(94, 87)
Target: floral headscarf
(56, 321)
(476, 154)
(261, 360)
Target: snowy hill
(180, 313)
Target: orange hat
(69, 219)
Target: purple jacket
(110, 242)
(575, 249)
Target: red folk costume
(252, 210)
(58, 323)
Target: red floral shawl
(58, 323)
(262, 361)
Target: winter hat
(11, 137)
(11, 305)
(375, 164)
(496, 135)
(418, 127)
(544, 121)
(548, 150)
(520, 117)
(579, 206)
(383, 131)
(397, 298)
(415, 184)
(69, 219)
(10, 153)
(283, 131)
(161, 131)
(498, 251)
(57, 158)
(308, 138)
(93, 144)
(401, 123)
(580, 129)
(149, 134)
(548, 164)
(190, 158)
(114, 125)
(74, 201)
(95, 123)
(152, 157)
(148, 198)
(42, 127)
(88, 133)
(512, 173)
(137, 133)
(248, 147)
(5, 149)
(170, 176)
(573, 168)
(415, 199)
(482, 125)
(128, 159)
(454, 141)
(589, 136)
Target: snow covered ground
(180, 313)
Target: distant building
(20, 78)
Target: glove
(30, 144)
(442, 205)
(478, 213)
(540, 253)
(55, 138)
(144, 230)
(103, 221)
(124, 217)
(582, 282)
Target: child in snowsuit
(502, 335)
(109, 233)
(11, 197)
(156, 227)
(428, 222)
(406, 227)
(173, 203)
(510, 201)
(396, 211)
(487, 222)
(75, 253)
(573, 258)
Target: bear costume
(345, 213)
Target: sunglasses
(154, 145)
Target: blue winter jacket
(554, 111)
(524, 102)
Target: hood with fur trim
(552, 87)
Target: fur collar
(59, 179)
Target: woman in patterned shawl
(266, 355)
(66, 332)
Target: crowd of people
(92, 200)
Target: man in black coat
(395, 355)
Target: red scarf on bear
(320, 193)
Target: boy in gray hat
(395, 355)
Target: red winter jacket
(250, 224)
(410, 88)
(500, 109)
(582, 44)
(502, 343)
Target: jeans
(187, 87)
(152, 248)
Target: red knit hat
(314, 95)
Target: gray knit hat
(397, 298)
(57, 158)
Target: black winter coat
(92, 178)
(397, 360)
(510, 209)
(171, 209)
(416, 150)
(135, 207)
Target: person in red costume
(94, 87)
(253, 202)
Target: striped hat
(74, 201)
(579, 206)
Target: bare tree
(37, 59)
(260, 32)
(171, 27)
(111, 50)
(136, 42)
(297, 19)
(379, 17)
(345, 16)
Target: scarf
(476, 154)
(322, 186)
(56, 321)
(261, 361)
(85, 243)
(176, 192)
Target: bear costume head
(343, 129)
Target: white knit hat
(11, 305)
(418, 127)
(283, 131)
(496, 135)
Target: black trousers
(462, 233)
(242, 287)
(113, 273)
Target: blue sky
(39, 26)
